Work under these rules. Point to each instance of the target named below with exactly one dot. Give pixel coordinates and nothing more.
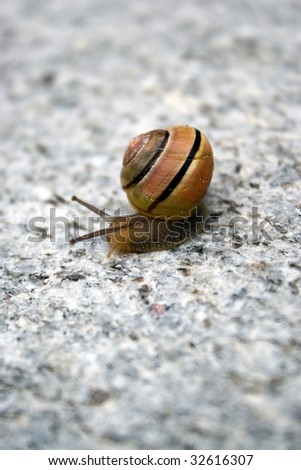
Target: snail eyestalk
(94, 209)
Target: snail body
(165, 174)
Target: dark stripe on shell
(149, 164)
(181, 173)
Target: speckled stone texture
(193, 348)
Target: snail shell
(166, 173)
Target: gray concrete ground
(193, 348)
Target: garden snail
(165, 174)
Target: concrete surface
(193, 348)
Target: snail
(165, 174)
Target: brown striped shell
(166, 172)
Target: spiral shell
(166, 172)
